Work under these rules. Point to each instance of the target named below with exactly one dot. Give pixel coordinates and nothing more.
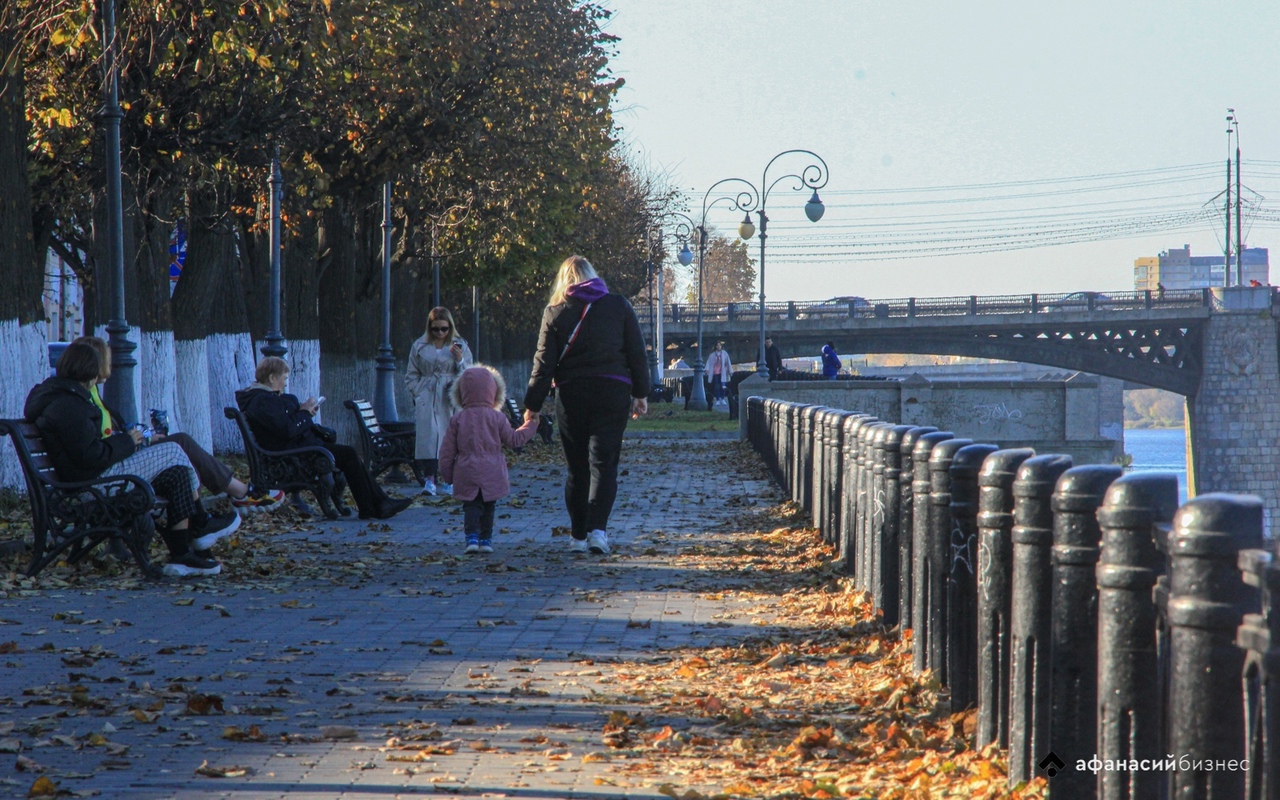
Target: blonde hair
(104, 354)
(574, 269)
(441, 313)
(270, 367)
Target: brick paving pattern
(488, 656)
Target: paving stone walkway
(366, 644)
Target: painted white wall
(24, 362)
(191, 360)
(157, 360)
(231, 363)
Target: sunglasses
(435, 329)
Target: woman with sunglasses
(435, 360)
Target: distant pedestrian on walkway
(591, 346)
(678, 363)
(436, 359)
(772, 358)
(720, 370)
(830, 362)
(471, 455)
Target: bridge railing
(905, 307)
(1110, 641)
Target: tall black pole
(698, 392)
(384, 391)
(435, 269)
(275, 187)
(761, 365)
(654, 375)
(119, 390)
(475, 322)
(1226, 257)
(1239, 234)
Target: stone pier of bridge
(1233, 420)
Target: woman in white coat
(435, 360)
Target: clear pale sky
(898, 95)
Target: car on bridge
(848, 306)
(1076, 301)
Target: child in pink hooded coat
(471, 455)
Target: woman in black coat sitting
(72, 426)
(280, 422)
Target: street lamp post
(384, 391)
(813, 176)
(119, 390)
(654, 236)
(275, 187)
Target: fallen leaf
(43, 787)
(209, 771)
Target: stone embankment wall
(1082, 416)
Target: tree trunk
(350, 303)
(23, 357)
(208, 307)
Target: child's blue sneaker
(473, 543)
(486, 545)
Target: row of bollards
(1113, 643)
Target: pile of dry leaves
(825, 705)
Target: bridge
(1217, 347)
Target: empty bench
(384, 444)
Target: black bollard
(1031, 623)
(1207, 602)
(939, 553)
(1137, 508)
(849, 495)
(875, 511)
(921, 601)
(818, 466)
(836, 467)
(962, 583)
(808, 445)
(890, 445)
(1073, 715)
(905, 528)
(995, 586)
(797, 452)
(863, 581)
(1259, 634)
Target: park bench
(384, 444)
(72, 518)
(303, 468)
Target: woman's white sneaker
(577, 545)
(598, 542)
(429, 488)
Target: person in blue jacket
(830, 362)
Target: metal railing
(1113, 643)
(971, 305)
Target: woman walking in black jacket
(591, 346)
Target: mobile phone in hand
(320, 400)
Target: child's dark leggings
(477, 516)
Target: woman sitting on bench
(280, 422)
(72, 426)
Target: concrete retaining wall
(1082, 416)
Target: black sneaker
(190, 563)
(215, 528)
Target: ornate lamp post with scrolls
(654, 237)
(813, 176)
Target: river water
(1163, 449)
